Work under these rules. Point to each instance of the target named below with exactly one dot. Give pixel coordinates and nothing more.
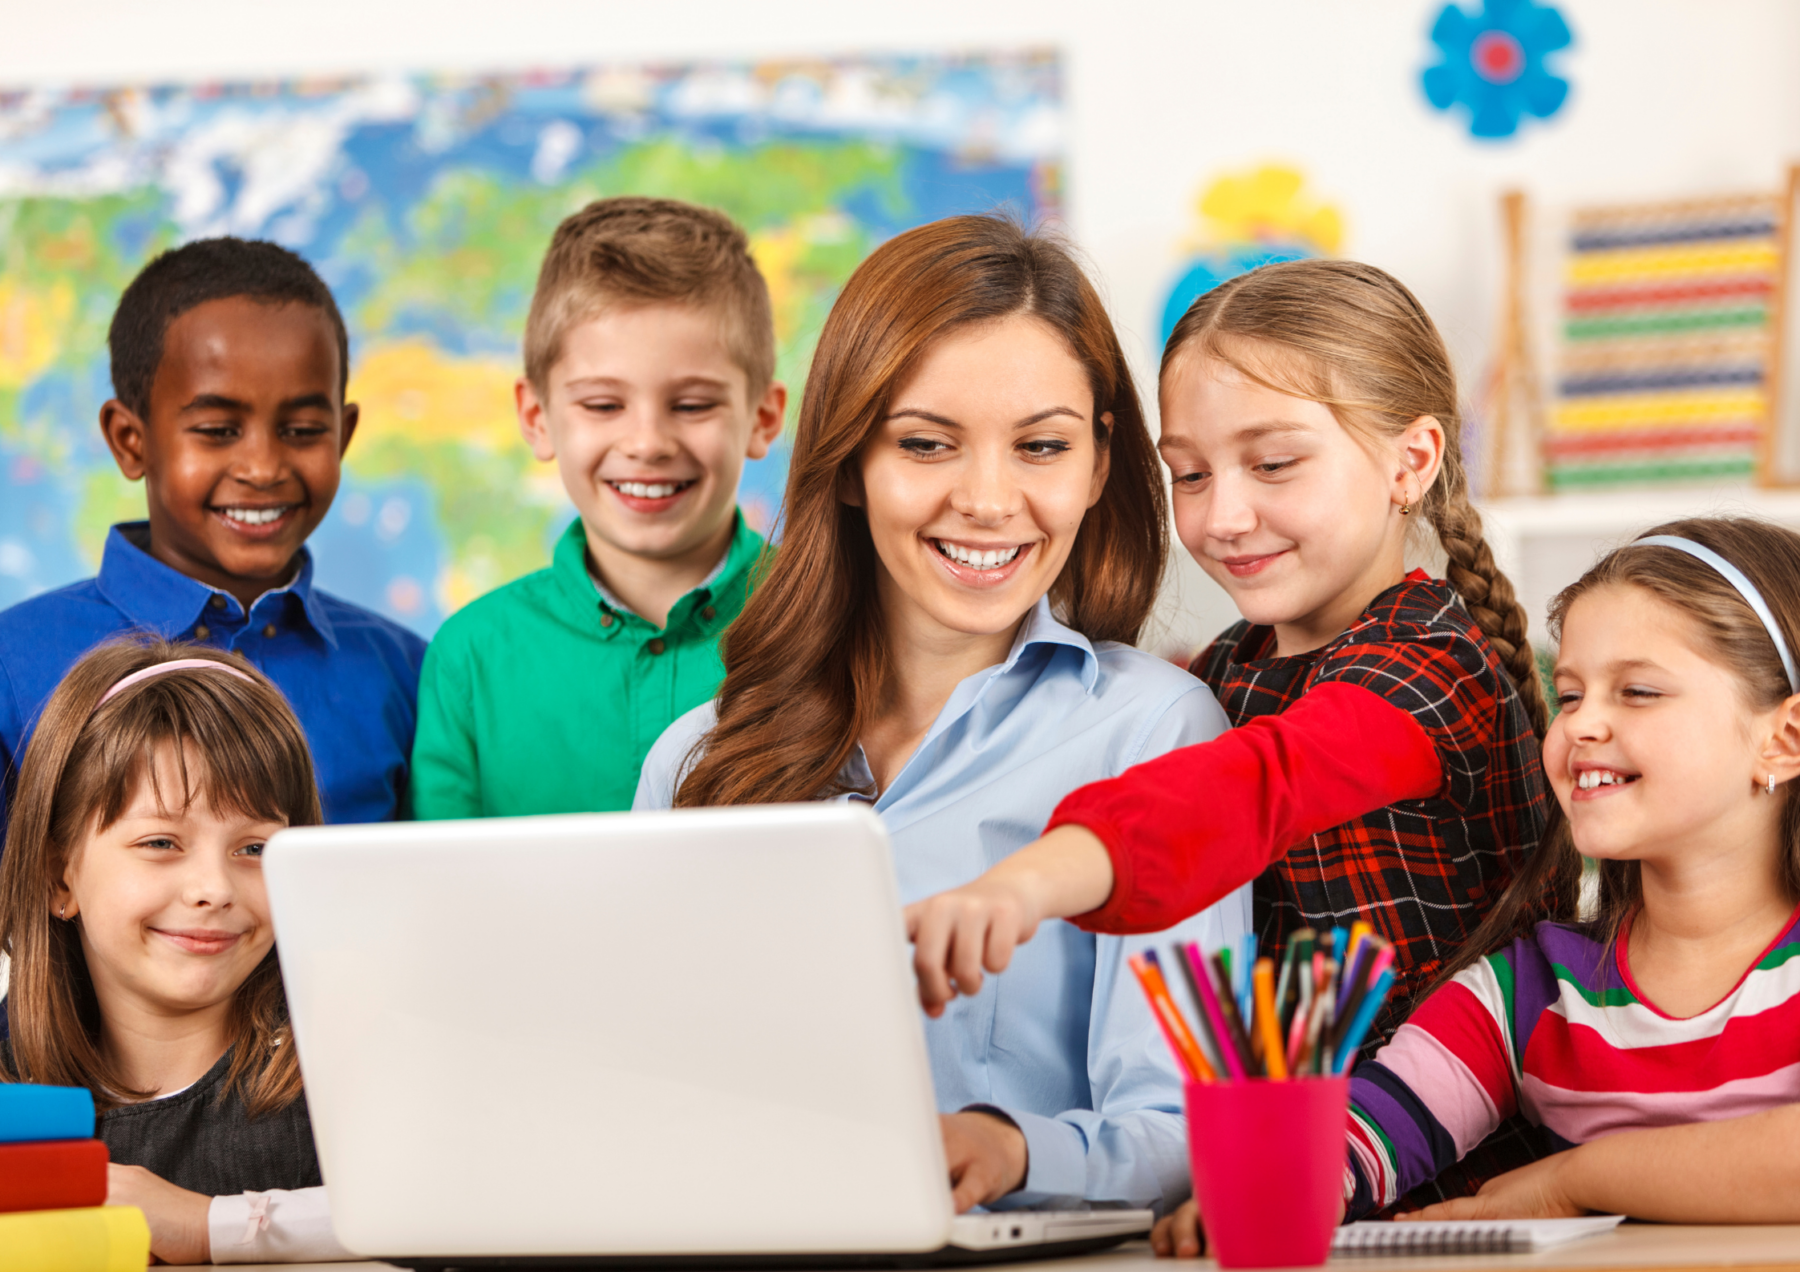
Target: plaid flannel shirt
(1424, 872)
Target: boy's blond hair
(639, 250)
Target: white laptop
(686, 1037)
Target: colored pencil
(1268, 1020)
(1369, 968)
(1234, 1024)
(1365, 1017)
(1203, 1026)
(1181, 1039)
(1215, 1012)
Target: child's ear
(765, 424)
(1781, 752)
(62, 900)
(1102, 462)
(532, 424)
(352, 417)
(1421, 454)
(127, 437)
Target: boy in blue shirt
(230, 359)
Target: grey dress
(199, 1142)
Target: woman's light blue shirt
(1061, 1042)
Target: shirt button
(269, 629)
(201, 631)
(217, 602)
(606, 620)
(709, 613)
(657, 646)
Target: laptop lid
(684, 1032)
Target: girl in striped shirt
(1656, 1038)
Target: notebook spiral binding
(1402, 1238)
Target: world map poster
(426, 202)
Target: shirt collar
(163, 599)
(606, 593)
(1041, 628)
(1039, 631)
(569, 563)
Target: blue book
(29, 1112)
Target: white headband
(1741, 581)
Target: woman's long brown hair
(1730, 633)
(804, 662)
(1358, 341)
(237, 745)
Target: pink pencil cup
(1268, 1162)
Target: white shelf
(1546, 543)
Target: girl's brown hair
(1729, 632)
(1359, 342)
(804, 662)
(236, 744)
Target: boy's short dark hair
(185, 278)
(641, 250)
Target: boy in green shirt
(649, 379)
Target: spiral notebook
(1466, 1236)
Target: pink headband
(157, 669)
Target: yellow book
(91, 1239)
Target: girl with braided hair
(1384, 765)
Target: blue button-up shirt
(351, 676)
(1061, 1042)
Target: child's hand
(1179, 1235)
(958, 933)
(1530, 1192)
(986, 1155)
(177, 1217)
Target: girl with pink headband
(133, 909)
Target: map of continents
(426, 202)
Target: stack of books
(53, 1211)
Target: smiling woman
(974, 530)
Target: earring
(1771, 786)
(1406, 509)
(62, 911)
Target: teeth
(254, 516)
(648, 490)
(1591, 778)
(992, 560)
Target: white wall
(1670, 97)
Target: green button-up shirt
(544, 697)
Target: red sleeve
(1191, 826)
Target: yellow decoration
(1269, 204)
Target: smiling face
(649, 420)
(1289, 512)
(172, 908)
(240, 454)
(1656, 751)
(977, 480)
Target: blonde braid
(1484, 589)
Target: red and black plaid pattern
(1424, 872)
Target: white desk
(1629, 1248)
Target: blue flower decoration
(1493, 63)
